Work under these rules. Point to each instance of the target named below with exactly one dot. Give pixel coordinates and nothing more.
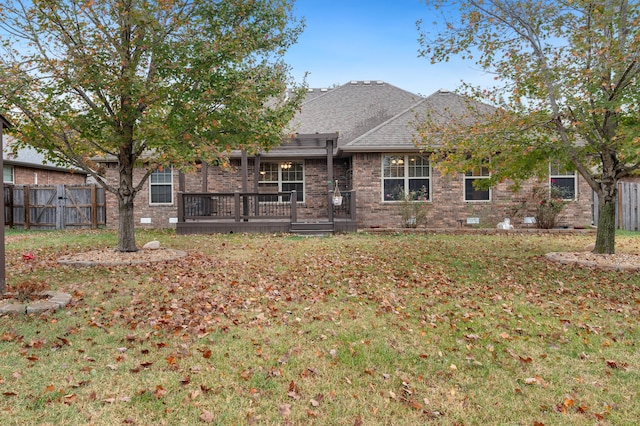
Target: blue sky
(371, 40)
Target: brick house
(29, 167)
(359, 135)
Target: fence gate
(55, 206)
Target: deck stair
(312, 228)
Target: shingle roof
(29, 157)
(397, 133)
(352, 109)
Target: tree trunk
(126, 194)
(606, 234)
(126, 225)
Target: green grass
(351, 329)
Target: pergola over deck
(257, 211)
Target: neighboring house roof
(29, 157)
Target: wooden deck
(250, 212)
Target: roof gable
(398, 132)
(352, 109)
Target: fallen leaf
(285, 410)
(206, 416)
(159, 392)
(616, 364)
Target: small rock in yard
(590, 247)
(151, 245)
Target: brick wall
(31, 176)
(363, 174)
(157, 215)
(447, 204)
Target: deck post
(180, 206)
(294, 206)
(330, 182)
(352, 206)
(205, 176)
(236, 206)
(181, 180)
(244, 160)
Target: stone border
(76, 260)
(480, 231)
(603, 262)
(56, 300)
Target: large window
(7, 174)
(471, 192)
(406, 174)
(283, 176)
(562, 181)
(161, 186)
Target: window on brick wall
(161, 186)
(471, 192)
(7, 174)
(406, 174)
(563, 180)
(283, 176)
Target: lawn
(351, 329)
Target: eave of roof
(43, 167)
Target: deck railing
(250, 206)
(235, 206)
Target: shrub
(549, 205)
(413, 208)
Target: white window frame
(282, 170)
(164, 171)
(558, 171)
(13, 174)
(402, 164)
(473, 175)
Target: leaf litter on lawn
(369, 329)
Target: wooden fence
(628, 207)
(54, 206)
